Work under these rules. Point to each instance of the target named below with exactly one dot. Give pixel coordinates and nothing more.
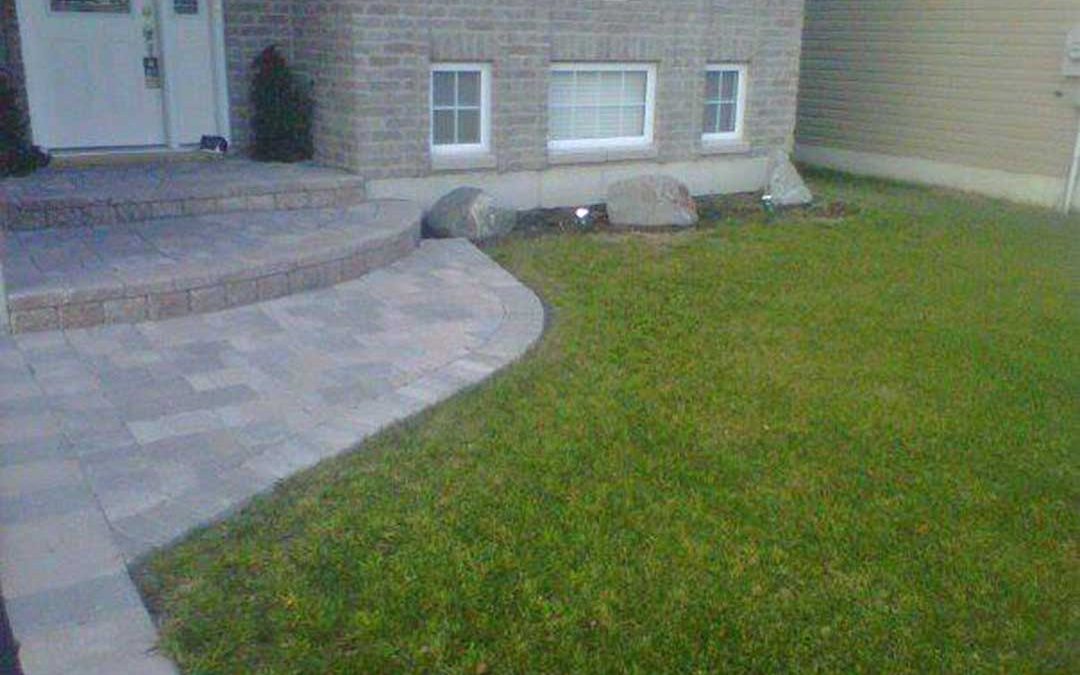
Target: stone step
(77, 277)
(126, 193)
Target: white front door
(193, 93)
(119, 73)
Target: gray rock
(651, 201)
(785, 184)
(470, 213)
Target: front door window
(102, 6)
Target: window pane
(712, 86)
(468, 126)
(635, 87)
(730, 90)
(727, 118)
(633, 123)
(597, 104)
(608, 122)
(588, 88)
(562, 88)
(105, 6)
(712, 115)
(444, 88)
(443, 129)
(561, 123)
(610, 89)
(584, 122)
(469, 89)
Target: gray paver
(113, 642)
(116, 440)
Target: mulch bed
(712, 208)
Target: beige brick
(167, 305)
(82, 315)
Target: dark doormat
(9, 649)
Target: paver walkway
(118, 439)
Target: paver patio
(118, 439)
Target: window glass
(445, 123)
(457, 106)
(722, 101)
(469, 89)
(589, 104)
(445, 85)
(106, 6)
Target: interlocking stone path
(116, 440)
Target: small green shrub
(282, 111)
(17, 156)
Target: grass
(831, 445)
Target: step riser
(51, 214)
(253, 286)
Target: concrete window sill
(724, 148)
(463, 161)
(599, 155)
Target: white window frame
(740, 107)
(484, 146)
(645, 140)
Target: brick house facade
(370, 64)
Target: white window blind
(590, 104)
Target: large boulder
(470, 213)
(785, 184)
(651, 201)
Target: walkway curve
(117, 440)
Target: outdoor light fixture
(769, 206)
(584, 216)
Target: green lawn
(830, 445)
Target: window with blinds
(600, 105)
(724, 102)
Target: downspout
(1070, 186)
(1071, 70)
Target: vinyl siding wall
(970, 82)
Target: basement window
(601, 105)
(460, 108)
(725, 102)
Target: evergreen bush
(17, 156)
(282, 111)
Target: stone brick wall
(250, 27)
(324, 52)
(370, 61)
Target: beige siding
(972, 82)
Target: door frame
(34, 66)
